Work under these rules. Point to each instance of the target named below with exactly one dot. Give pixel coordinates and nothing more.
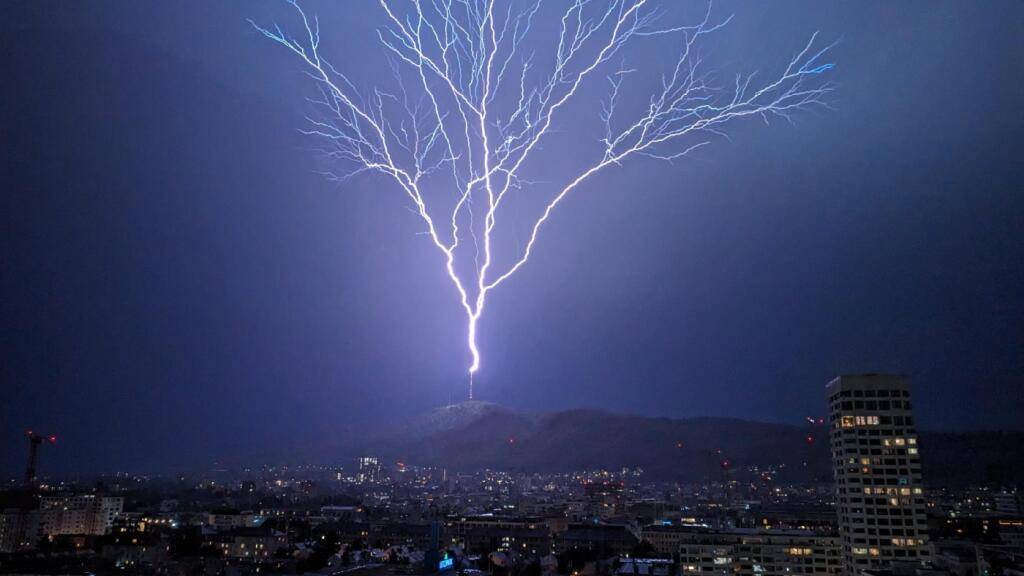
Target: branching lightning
(471, 105)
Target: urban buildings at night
(877, 467)
(375, 516)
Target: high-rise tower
(877, 471)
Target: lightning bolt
(470, 108)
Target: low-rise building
(606, 540)
(741, 552)
(88, 514)
(255, 543)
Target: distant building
(88, 514)
(530, 541)
(604, 499)
(335, 513)
(798, 516)
(128, 549)
(256, 543)
(644, 567)
(19, 529)
(747, 552)
(605, 539)
(369, 470)
(1009, 503)
(223, 519)
(398, 534)
(877, 468)
(1011, 534)
(19, 521)
(458, 525)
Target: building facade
(747, 551)
(369, 470)
(877, 467)
(78, 514)
(18, 529)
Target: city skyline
(383, 517)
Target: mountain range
(478, 435)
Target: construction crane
(34, 441)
